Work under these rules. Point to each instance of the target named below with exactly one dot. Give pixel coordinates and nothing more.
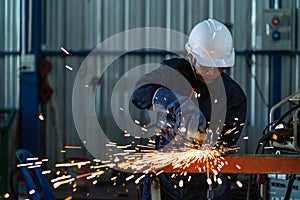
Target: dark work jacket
(223, 104)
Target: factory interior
(68, 70)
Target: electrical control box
(278, 29)
(278, 185)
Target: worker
(195, 92)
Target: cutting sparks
(239, 184)
(69, 68)
(142, 160)
(204, 160)
(64, 50)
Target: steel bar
(252, 164)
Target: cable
(289, 187)
(263, 141)
(285, 114)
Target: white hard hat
(210, 42)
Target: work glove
(189, 121)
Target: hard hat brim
(213, 62)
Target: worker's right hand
(188, 118)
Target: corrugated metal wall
(80, 25)
(9, 48)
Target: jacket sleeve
(164, 76)
(235, 118)
(142, 96)
(146, 86)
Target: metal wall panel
(9, 45)
(87, 23)
(80, 25)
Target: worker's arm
(188, 119)
(163, 76)
(235, 117)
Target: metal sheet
(252, 164)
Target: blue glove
(189, 120)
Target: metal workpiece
(251, 164)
